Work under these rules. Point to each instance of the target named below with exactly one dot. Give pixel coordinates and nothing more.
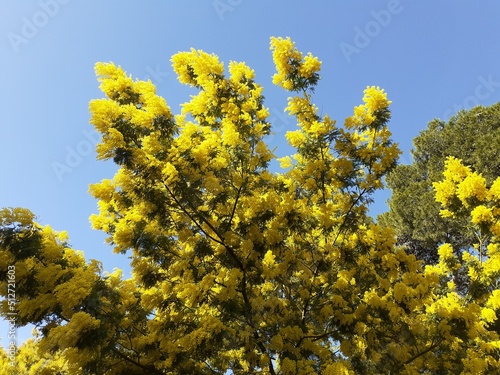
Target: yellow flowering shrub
(240, 269)
(469, 319)
(31, 360)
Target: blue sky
(432, 58)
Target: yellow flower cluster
(129, 104)
(375, 100)
(195, 68)
(29, 361)
(464, 194)
(114, 81)
(467, 188)
(461, 184)
(482, 214)
(293, 71)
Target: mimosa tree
(240, 269)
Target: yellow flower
(338, 368)
(269, 258)
(288, 366)
(445, 190)
(114, 81)
(230, 135)
(195, 68)
(291, 68)
(295, 138)
(473, 186)
(286, 162)
(170, 173)
(400, 292)
(375, 99)
(481, 214)
(103, 190)
(104, 113)
(445, 251)
(310, 66)
(495, 190)
(239, 71)
(488, 315)
(454, 169)
(494, 299)
(446, 213)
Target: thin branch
(195, 222)
(149, 369)
(425, 351)
(347, 213)
(315, 337)
(233, 211)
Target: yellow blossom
(473, 186)
(481, 214)
(375, 99)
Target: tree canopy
(472, 136)
(239, 269)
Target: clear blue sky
(431, 57)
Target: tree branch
(151, 370)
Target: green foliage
(472, 136)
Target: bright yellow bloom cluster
(195, 68)
(294, 72)
(482, 214)
(28, 360)
(462, 185)
(375, 100)
(464, 194)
